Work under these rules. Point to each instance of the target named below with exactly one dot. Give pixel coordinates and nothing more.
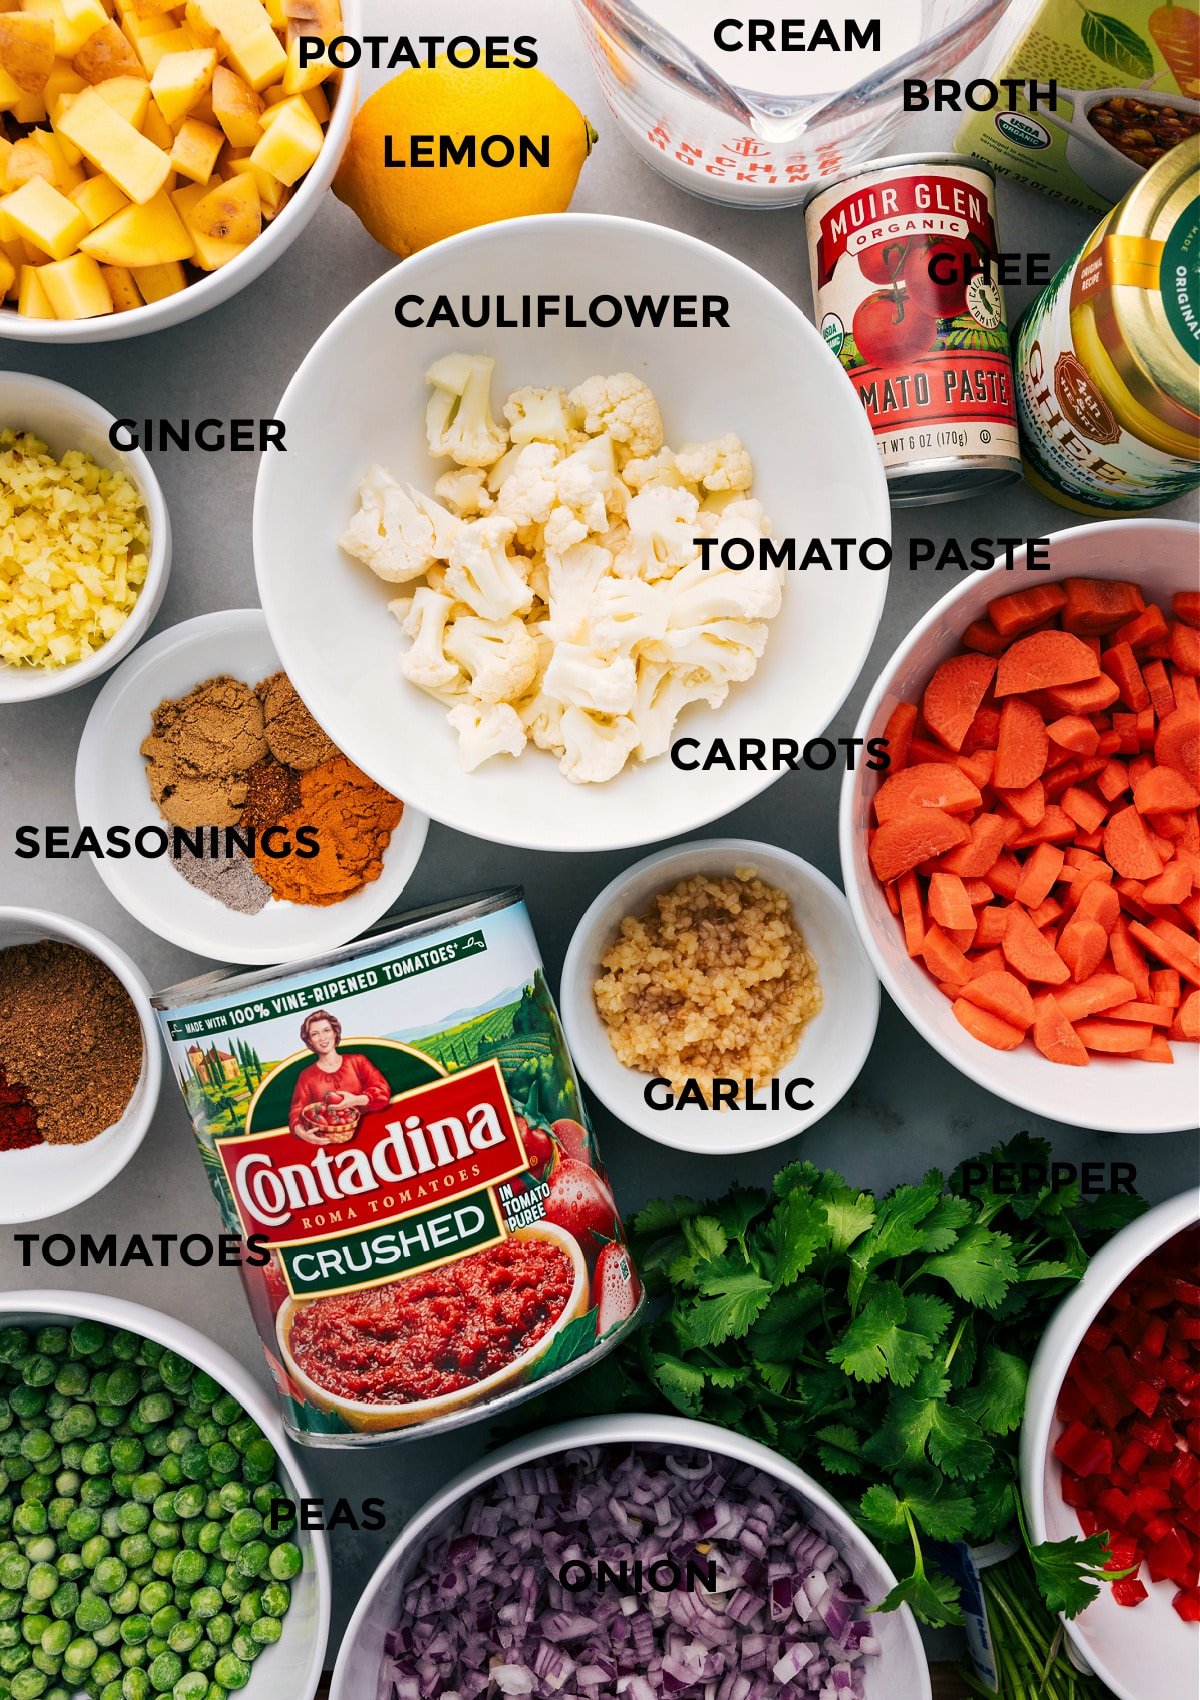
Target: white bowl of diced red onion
(751, 1577)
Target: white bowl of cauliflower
(517, 569)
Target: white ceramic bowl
(832, 1048)
(218, 286)
(293, 1665)
(111, 790)
(1146, 1650)
(64, 419)
(1113, 1094)
(360, 397)
(901, 1671)
(45, 1180)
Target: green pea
(209, 1538)
(276, 1598)
(29, 1518)
(184, 1635)
(286, 1561)
(164, 1534)
(206, 1603)
(81, 1654)
(106, 1667)
(245, 1525)
(154, 1596)
(220, 1630)
(37, 1370)
(56, 1638)
(165, 1672)
(135, 1550)
(127, 1452)
(64, 1601)
(14, 1569)
(189, 1502)
(162, 1561)
(29, 1684)
(188, 1568)
(93, 1612)
(135, 1629)
(109, 1574)
(126, 1598)
(203, 1656)
(135, 1685)
(147, 1487)
(97, 1490)
(253, 1559)
(244, 1646)
(95, 1550)
(133, 1518)
(108, 1634)
(231, 1672)
(192, 1685)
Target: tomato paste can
(1108, 355)
(902, 257)
(395, 1132)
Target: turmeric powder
(353, 819)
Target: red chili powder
(18, 1118)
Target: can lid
(391, 927)
(889, 165)
(1147, 299)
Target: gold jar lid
(1142, 280)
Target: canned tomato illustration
(397, 1134)
(902, 256)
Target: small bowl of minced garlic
(85, 541)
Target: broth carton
(1128, 90)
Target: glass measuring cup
(756, 127)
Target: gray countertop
(909, 1111)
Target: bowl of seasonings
(85, 542)
(221, 815)
(716, 997)
(80, 1065)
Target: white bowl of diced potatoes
(158, 155)
(71, 607)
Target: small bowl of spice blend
(85, 542)
(226, 819)
(716, 997)
(80, 1063)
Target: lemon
(409, 208)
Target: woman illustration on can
(333, 1091)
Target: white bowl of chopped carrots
(1026, 876)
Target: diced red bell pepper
(1084, 1450)
(1129, 1592)
(1187, 1604)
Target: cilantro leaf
(840, 1449)
(848, 1214)
(732, 1299)
(786, 1244)
(704, 1239)
(661, 1214)
(738, 1209)
(957, 1444)
(680, 1382)
(781, 1331)
(877, 1344)
(994, 1497)
(980, 1267)
(1069, 1572)
(896, 1230)
(997, 1400)
(933, 1599)
(797, 1177)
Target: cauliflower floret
(626, 612)
(595, 747)
(722, 464)
(723, 650)
(538, 416)
(563, 531)
(499, 655)
(458, 419)
(663, 694)
(578, 675)
(397, 531)
(541, 717)
(654, 469)
(486, 730)
(587, 481)
(573, 580)
(530, 491)
(464, 491)
(662, 527)
(624, 407)
(482, 574)
(698, 597)
(427, 663)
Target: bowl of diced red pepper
(1111, 1446)
(1025, 874)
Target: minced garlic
(74, 545)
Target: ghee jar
(1107, 358)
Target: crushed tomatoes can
(902, 257)
(396, 1134)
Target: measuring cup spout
(665, 53)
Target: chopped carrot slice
(1039, 874)
(1103, 991)
(949, 904)
(1087, 811)
(897, 734)
(1099, 902)
(984, 732)
(928, 785)
(1166, 987)
(1027, 952)
(1177, 742)
(1185, 648)
(978, 767)
(991, 925)
(1127, 846)
(1083, 945)
(1003, 994)
(1120, 664)
(981, 1024)
(1143, 629)
(977, 858)
(1053, 1034)
(1117, 1037)
(1162, 697)
(1095, 606)
(1152, 1014)
(943, 957)
(1157, 1051)
(900, 844)
(1163, 790)
(1044, 661)
(1171, 886)
(983, 637)
(1128, 959)
(1187, 1022)
(1028, 804)
(1093, 696)
(954, 694)
(1185, 605)
(1170, 944)
(1072, 732)
(1023, 748)
(1013, 616)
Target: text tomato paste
(398, 1130)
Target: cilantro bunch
(883, 1343)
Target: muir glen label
(399, 1128)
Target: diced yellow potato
(69, 34)
(139, 29)
(211, 252)
(274, 9)
(288, 148)
(135, 164)
(156, 129)
(196, 148)
(27, 160)
(254, 50)
(151, 48)
(179, 81)
(76, 288)
(67, 174)
(148, 235)
(32, 255)
(298, 78)
(273, 211)
(32, 299)
(130, 96)
(203, 110)
(106, 54)
(8, 275)
(6, 149)
(124, 292)
(270, 189)
(10, 92)
(29, 109)
(318, 104)
(85, 17)
(230, 212)
(43, 215)
(62, 80)
(200, 27)
(237, 107)
(27, 49)
(155, 282)
(98, 199)
(147, 9)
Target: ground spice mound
(199, 749)
(70, 1034)
(18, 1118)
(715, 981)
(293, 736)
(354, 820)
(272, 792)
